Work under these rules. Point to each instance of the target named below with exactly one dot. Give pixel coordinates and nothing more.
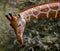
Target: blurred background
(39, 35)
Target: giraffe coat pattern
(51, 9)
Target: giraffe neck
(48, 10)
(40, 11)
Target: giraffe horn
(8, 17)
(10, 14)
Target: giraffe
(56, 0)
(44, 10)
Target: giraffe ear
(19, 15)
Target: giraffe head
(18, 25)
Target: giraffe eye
(19, 25)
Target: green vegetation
(43, 34)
